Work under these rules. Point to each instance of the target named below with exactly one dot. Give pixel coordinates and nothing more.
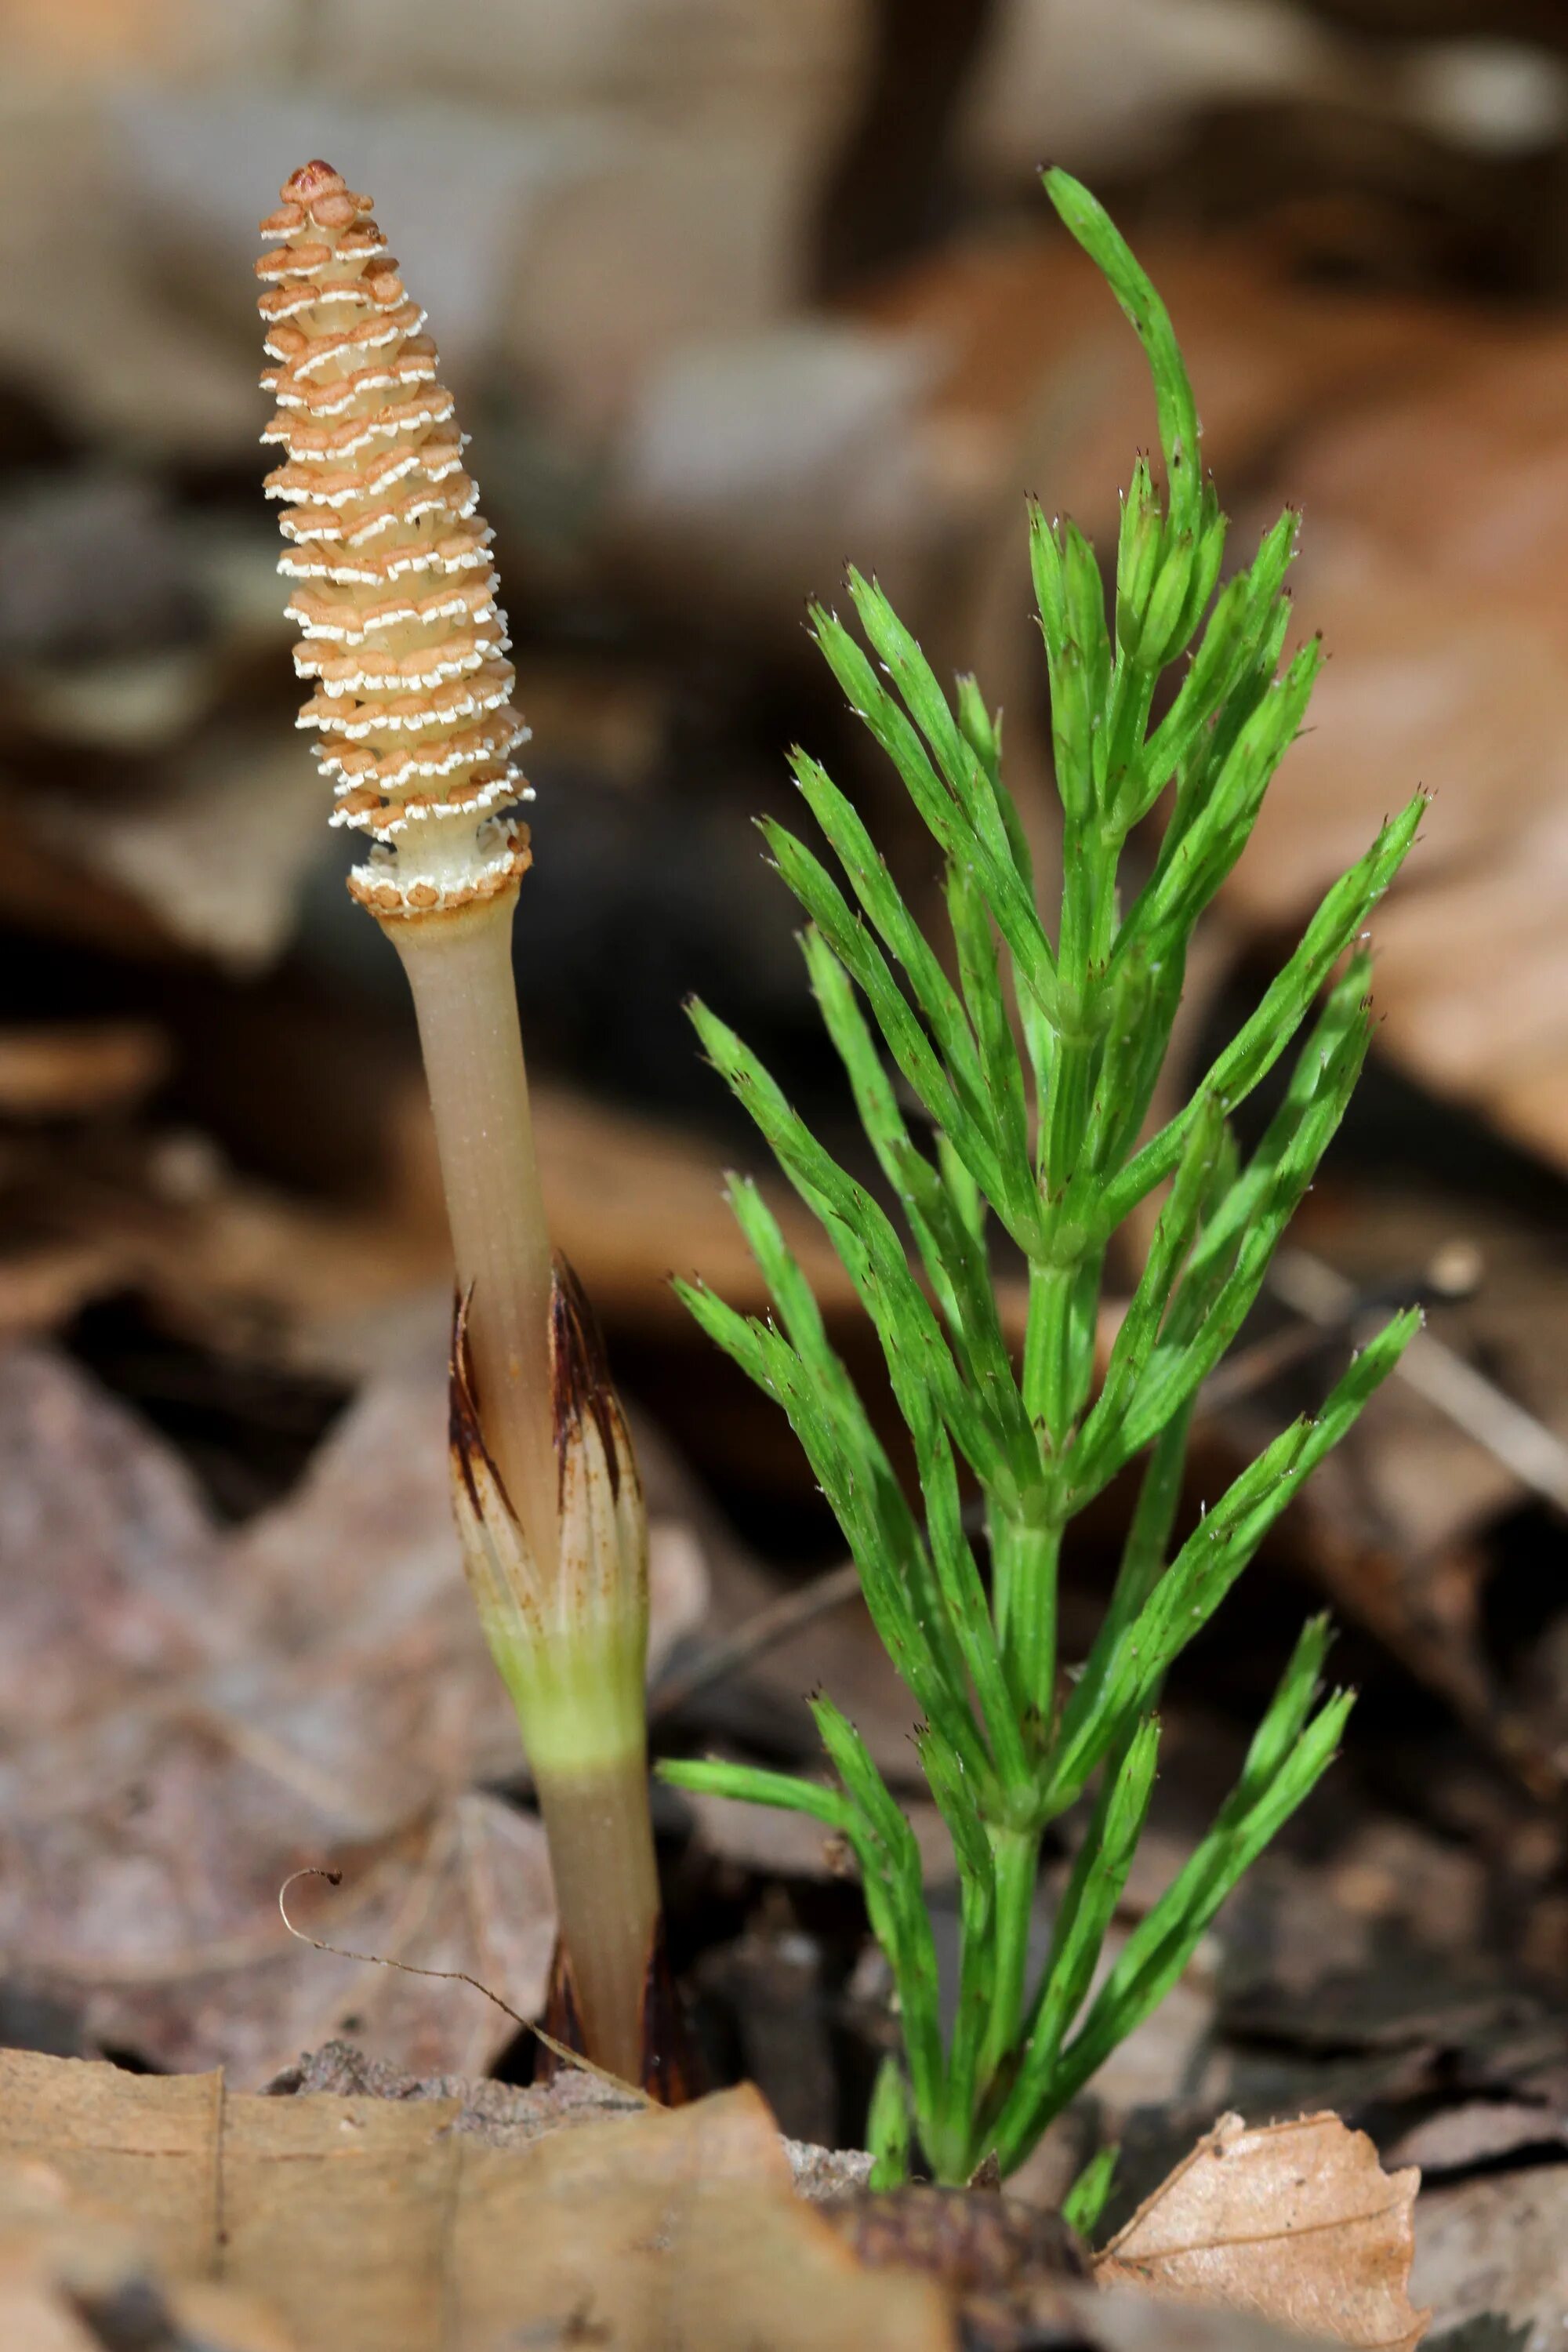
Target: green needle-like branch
(1034, 1047)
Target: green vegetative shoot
(1033, 1053)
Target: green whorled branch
(1033, 1050)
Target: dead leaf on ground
(838, 1648)
(1447, 662)
(189, 1715)
(372, 2225)
(465, 1892)
(777, 1844)
(109, 1574)
(218, 854)
(76, 2278)
(249, 1269)
(1479, 2131)
(1297, 2224)
(1496, 2244)
(508, 2114)
(239, 1267)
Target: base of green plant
(1087, 2198)
(887, 2126)
(1034, 1052)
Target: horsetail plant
(395, 593)
(1034, 1056)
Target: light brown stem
(566, 1615)
(460, 969)
(607, 1891)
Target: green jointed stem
(1034, 1050)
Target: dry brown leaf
(74, 2278)
(219, 855)
(503, 2115)
(108, 1562)
(374, 2225)
(1297, 2224)
(190, 1716)
(1497, 2244)
(466, 1892)
(1448, 665)
(1478, 2131)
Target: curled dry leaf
(371, 2224)
(1296, 2224)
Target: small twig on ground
(1451, 1274)
(1512, 1435)
(760, 1633)
(447, 1975)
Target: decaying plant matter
(405, 644)
(1038, 1126)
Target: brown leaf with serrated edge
(367, 2224)
(1295, 2222)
